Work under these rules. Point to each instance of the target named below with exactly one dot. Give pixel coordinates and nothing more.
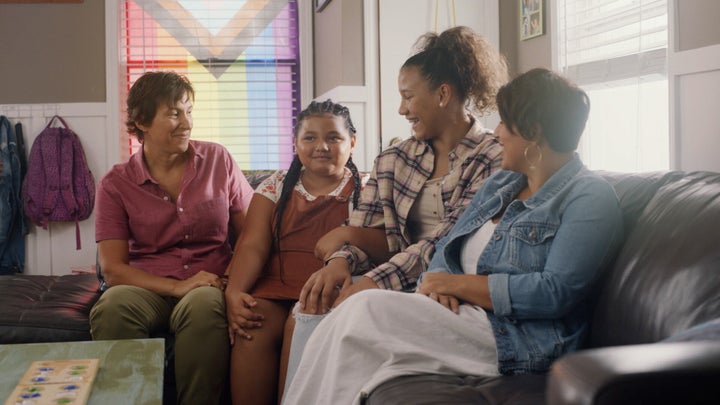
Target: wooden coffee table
(131, 371)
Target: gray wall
(56, 52)
(697, 23)
(338, 46)
(52, 52)
(524, 55)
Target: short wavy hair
(543, 104)
(150, 91)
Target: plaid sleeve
(403, 269)
(358, 260)
(369, 212)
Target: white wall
(401, 22)
(53, 251)
(362, 101)
(391, 28)
(694, 78)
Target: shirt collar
(139, 172)
(474, 136)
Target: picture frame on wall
(320, 5)
(531, 19)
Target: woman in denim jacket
(516, 271)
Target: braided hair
(315, 109)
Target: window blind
(616, 50)
(608, 40)
(242, 58)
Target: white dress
(377, 335)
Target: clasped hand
(240, 314)
(437, 286)
(200, 279)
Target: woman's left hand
(448, 301)
(438, 286)
(438, 283)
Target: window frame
(117, 150)
(555, 49)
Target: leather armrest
(682, 372)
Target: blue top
(542, 261)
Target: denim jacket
(542, 261)
(12, 226)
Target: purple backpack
(58, 185)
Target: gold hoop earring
(533, 165)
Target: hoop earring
(533, 165)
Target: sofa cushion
(35, 308)
(705, 331)
(634, 191)
(527, 389)
(665, 279)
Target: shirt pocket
(529, 244)
(210, 219)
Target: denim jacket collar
(551, 187)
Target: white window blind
(242, 57)
(617, 51)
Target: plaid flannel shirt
(398, 175)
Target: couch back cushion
(666, 277)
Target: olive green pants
(197, 322)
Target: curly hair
(463, 59)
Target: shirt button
(166, 198)
(186, 267)
(180, 209)
(187, 236)
(502, 331)
(497, 236)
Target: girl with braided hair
(289, 212)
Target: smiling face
(513, 148)
(324, 145)
(419, 105)
(169, 131)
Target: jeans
(305, 324)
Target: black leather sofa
(35, 308)
(664, 282)
(642, 347)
